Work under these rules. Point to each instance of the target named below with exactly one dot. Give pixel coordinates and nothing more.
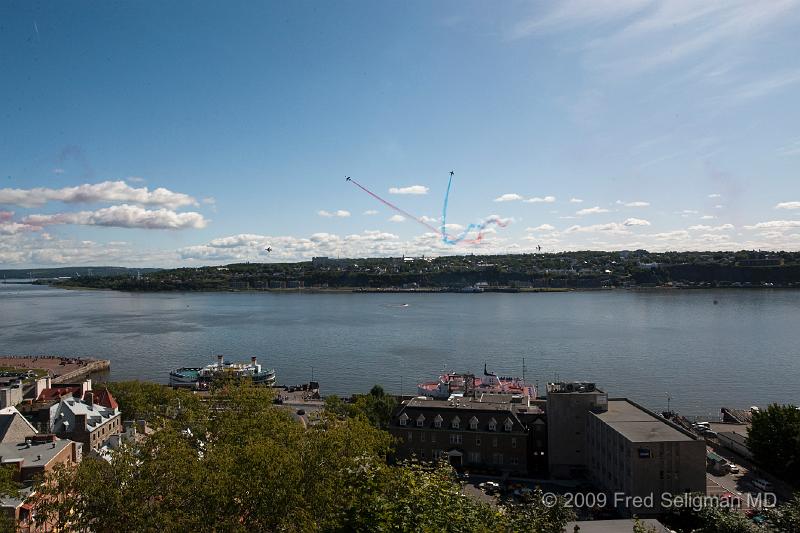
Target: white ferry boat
(199, 378)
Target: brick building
(482, 432)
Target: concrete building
(621, 447)
(483, 432)
(636, 452)
(10, 392)
(568, 405)
(736, 442)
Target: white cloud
(106, 191)
(542, 227)
(792, 148)
(123, 216)
(722, 227)
(718, 206)
(776, 224)
(508, 197)
(537, 200)
(633, 204)
(592, 211)
(429, 220)
(707, 217)
(397, 218)
(341, 213)
(370, 212)
(412, 189)
(570, 13)
(575, 201)
(611, 227)
(715, 195)
(788, 205)
(636, 222)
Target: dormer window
(456, 423)
(420, 421)
(403, 419)
(473, 423)
(509, 425)
(437, 422)
(492, 425)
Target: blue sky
(170, 133)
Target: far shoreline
(422, 290)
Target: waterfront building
(86, 421)
(621, 447)
(736, 441)
(481, 431)
(10, 392)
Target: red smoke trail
(391, 205)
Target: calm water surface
(644, 345)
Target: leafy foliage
(236, 462)
(376, 407)
(774, 439)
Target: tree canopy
(237, 462)
(774, 439)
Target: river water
(645, 345)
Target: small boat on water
(200, 378)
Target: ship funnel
(219, 360)
(253, 360)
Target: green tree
(774, 439)
(239, 463)
(376, 407)
(786, 518)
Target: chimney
(49, 383)
(219, 361)
(38, 457)
(89, 398)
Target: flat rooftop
(638, 425)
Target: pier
(61, 369)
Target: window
(433, 437)
(497, 458)
(477, 441)
(473, 423)
(474, 457)
(456, 423)
(509, 425)
(403, 419)
(494, 442)
(422, 437)
(437, 422)
(455, 438)
(513, 442)
(410, 436)
(420, 421)
(492, 425)
(514, 461)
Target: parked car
(490, 487)
(733, 468)
(762, 485)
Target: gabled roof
(13, 426)
(56, 393)
(104, 398)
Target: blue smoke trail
(472, 227)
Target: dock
(61, 369)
